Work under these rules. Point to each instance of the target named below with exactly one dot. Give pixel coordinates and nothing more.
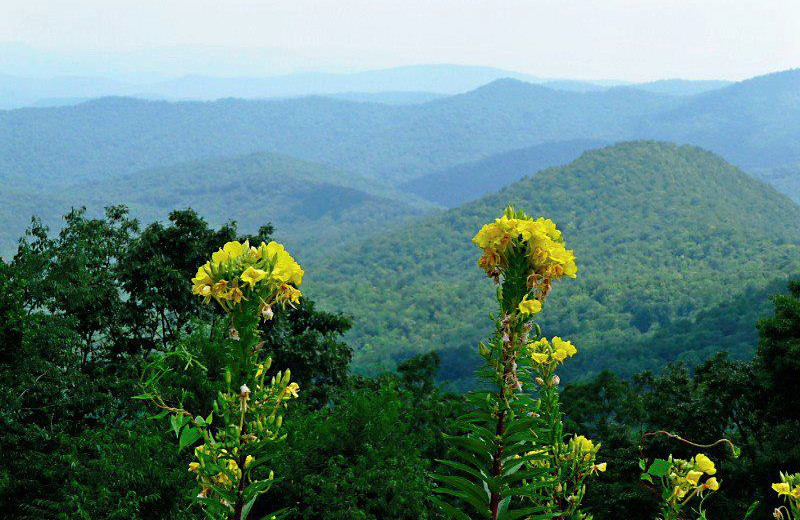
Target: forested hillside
(662, 233)
(315, 205)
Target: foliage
(366, 455)
(75, 444)
(747, 401)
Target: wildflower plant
(514, 461)
(683, 485)
(789, 490)
(250, 284)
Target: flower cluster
(216, 467)
(545, 352)
(240, 271)
(254, 418)
(539, 240)
(685, 476)
(788, 489)
(680, 482)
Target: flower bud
(555, 381)
(244, 391)
(266, 312)
(233, 333)
(539, 381)
(559, 488)
(777, 514)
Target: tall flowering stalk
(513, 461)
(250, 284)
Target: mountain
(438, 78)
(312, 206)
(443, 79)
(785, 179)
(682, 87)
(753, 123)
(464, 182)
(662, 233)
(18, 92)
(392, 143)
(398, 97)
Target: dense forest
(84, 310)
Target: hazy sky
(620, 39)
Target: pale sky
(582, 39)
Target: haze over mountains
(357, 184)
(424, 81)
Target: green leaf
(659, 468)
(188, 436)
(751, 509)
(646, 477)
(451, 511)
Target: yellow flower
(694, 477)
(289, 293)
(203, 275)
(230, 251)
(194, 467)
(540, 357)
(529, 307)
(679, 492)
(251, 276)
(601, 467)
(489, 235)
(782, 488)
(583, 444)
(292, 388)
(705, 464)
(235, 295)
(711, 484)
(260, 369)
(566, 347)
(248, 460)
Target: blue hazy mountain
(464, 182)
(753, 123)
(392, 143)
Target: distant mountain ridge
(443, 79)
(392, 143)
